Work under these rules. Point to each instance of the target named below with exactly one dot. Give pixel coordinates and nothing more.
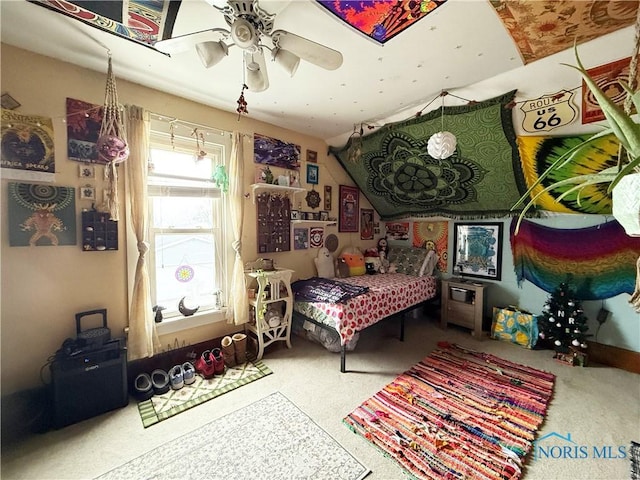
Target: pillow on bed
(408, 260)
(429, 264)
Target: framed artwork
(86, 171)
(312, 156)
(349, 209)
(300, 238)
(276, 153)
(316, 237)
(313, 174)
(295, 214)
(366, 224)
(324, 215)
(87, 192)
(327, 198)
(478, 250)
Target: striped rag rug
(457, 414)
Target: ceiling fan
(249, 26)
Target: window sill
(198, 319)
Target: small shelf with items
(271, 309)
(257, 188)
(315, 222)
(463, 305)
(99, 232)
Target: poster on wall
(609, 78)
(274, 152)
(316, 237)
(478, 250)
(41, 215)
(397, 232)
(433, 236)
(366, 224)
(27, 147)
(300, 238)
(349, 209)
(84, 121)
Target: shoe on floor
(142, 387)
(204, 364)
(218, 361)
(160, 381)
(176, 377)
(189, 373)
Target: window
(189, 254)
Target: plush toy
(372, 260)
(324, 263)
(354, 259)
(383, 246)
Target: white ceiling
(453, 48)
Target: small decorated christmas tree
(563, 323)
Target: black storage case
(89, 383)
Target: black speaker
(89, 383)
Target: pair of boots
(235, 349)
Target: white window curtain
(143, 340)
(238, 308)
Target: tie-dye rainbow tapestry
(598, 262)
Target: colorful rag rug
(538, 153)
(457, 414)
(482, 179)
(542, 28)
(598, 262)
(161, 407)
(141, 21)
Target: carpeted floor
(161, 407)
(598, 406)
(457, 414)
(273, 439)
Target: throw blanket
(325, 290)
(539, 152)
(482, 179)
(598, 262)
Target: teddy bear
(324, 263)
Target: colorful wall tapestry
(538, 153)
(41, 215)
(433, 236)
(27, 147)
(609, 78)
(542, 28)
(84, 121)
(598, 262)
(380, 20)
(136, 20)
(275, 153)
(482, 179)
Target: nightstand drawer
(461, 313)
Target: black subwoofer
(89, 383)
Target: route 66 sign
(545, 113)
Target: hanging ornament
(558, 324)
(583, 345)
(442, 145)
(542, 335)
(242, 103)
(112, 142)
(571, 303)
(575, 343)
(571, 321)
(185, 273)
(557, 343)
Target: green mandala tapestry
(482, 179)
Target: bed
(385, 295)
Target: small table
(463, 304)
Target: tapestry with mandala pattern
(482, 179)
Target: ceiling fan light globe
(243, 33)
(255, 81)
(211, 53)
(441, 145)
(287, 60)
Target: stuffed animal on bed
(372, 260)
(354, 259)
(324, 263)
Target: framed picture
(366, 224)
(312, 156)
(87, 192)
(324, 215)
(276, 153)
(478, 250)
(295, 214)
(327, 198)
(300, 238)
(312, 174)
(86, 171)
(349, 209)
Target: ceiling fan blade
(186, 42)
(308, 50)
(256, 76)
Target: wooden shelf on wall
(256, 188)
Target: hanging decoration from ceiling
(140, 21)
(380, 20)
(482, 179)
(442, 144)
(112, 143)
(599, 261)
(538, 153)
(545, 27)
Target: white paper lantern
(441, 145)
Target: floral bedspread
(388, 294)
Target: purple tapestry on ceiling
(141, 21)
(381, 20)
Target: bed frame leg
(402, 327)
(343, 359)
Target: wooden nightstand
(463, 304)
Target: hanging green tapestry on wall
(482, 179)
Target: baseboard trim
(614, 356)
